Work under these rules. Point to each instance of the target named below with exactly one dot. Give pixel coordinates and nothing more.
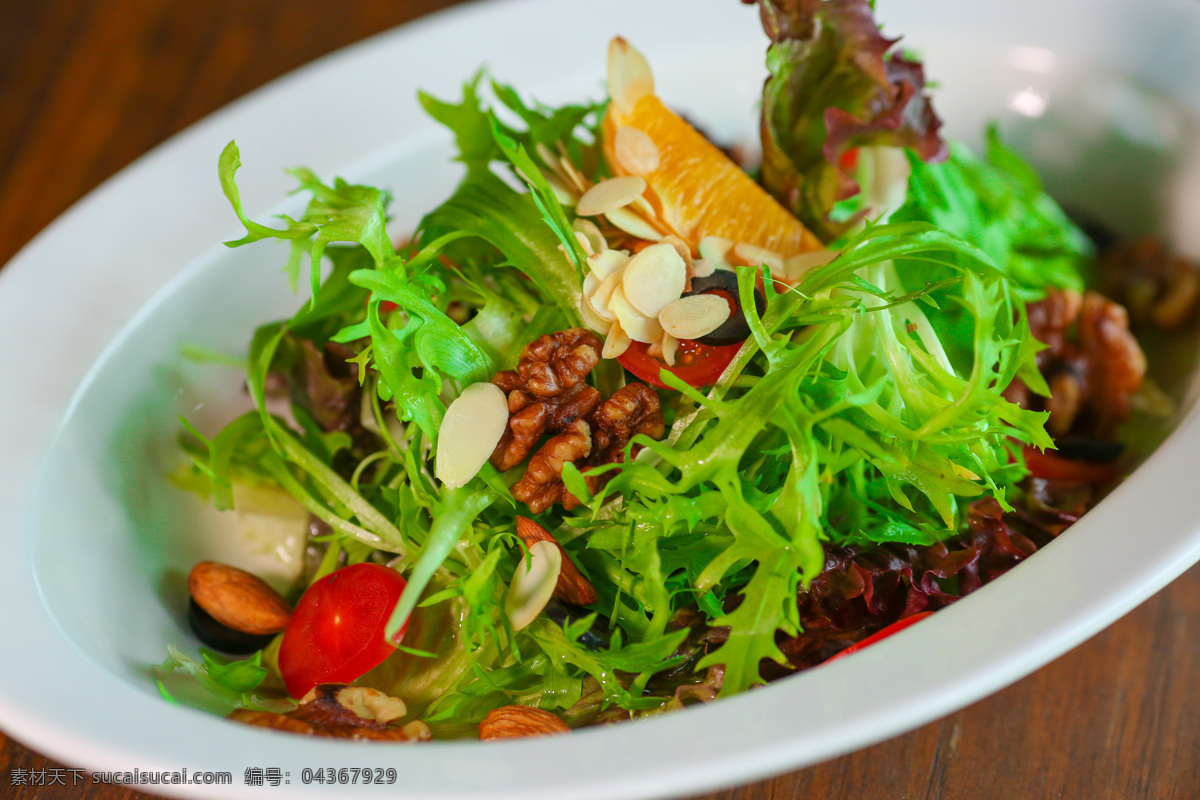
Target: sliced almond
(641, 205)
(572, 587)
(748, 255)
(694, 316)
(681, 247)
(563, 193)
(629, 75)
(237, 599)
(609, 195)
(592, 318)
(685, 252)
(670, 346)
(654, 278)
(472, 427)
(533, 584)
(633, 224)
(715, 249)
(591, 282)
(636, 152)
(515, 722)
(596, 240)
(606, 263)
(585, 244)
(639, 327)
(550, 159)
(574, 176)
(617, 342)
(601, 299)
(702, 268)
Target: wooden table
(86, 86)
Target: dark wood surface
(86, 86)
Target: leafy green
(217, 683)
(834, 85)
(997, 202)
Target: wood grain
(90, 85)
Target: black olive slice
(222, 637)
(735, 329)
(595, 638)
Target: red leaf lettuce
(835, 84)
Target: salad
(627, 424)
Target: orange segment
(698, 191)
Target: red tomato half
(895, 627)
(1056, 468)
(336, 632)
(697, 364)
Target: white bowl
(96, 542)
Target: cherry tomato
(895, 627)
(697, 364)
(336, 632)
(1057, 468)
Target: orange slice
(694, 188)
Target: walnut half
(548, 394)
(1092, 363)
(633, 410)
(342, 712)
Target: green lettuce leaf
(997, 202)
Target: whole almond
(237, 599)
(511, 722)
(572, 587)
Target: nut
(616, 343)
(638, 326)
(595, 239)
(339, 711)
(636, 152)
(572, 587)
(469, 433)
(338, 704)
(629, 75)
(601, 296)
(653, 279)
(670, 346)
(533, 584)
(237, 599)
(511, 722)
(609, 195)
(607, 262)
(694, 316)
(633, 224)
(748, 255)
